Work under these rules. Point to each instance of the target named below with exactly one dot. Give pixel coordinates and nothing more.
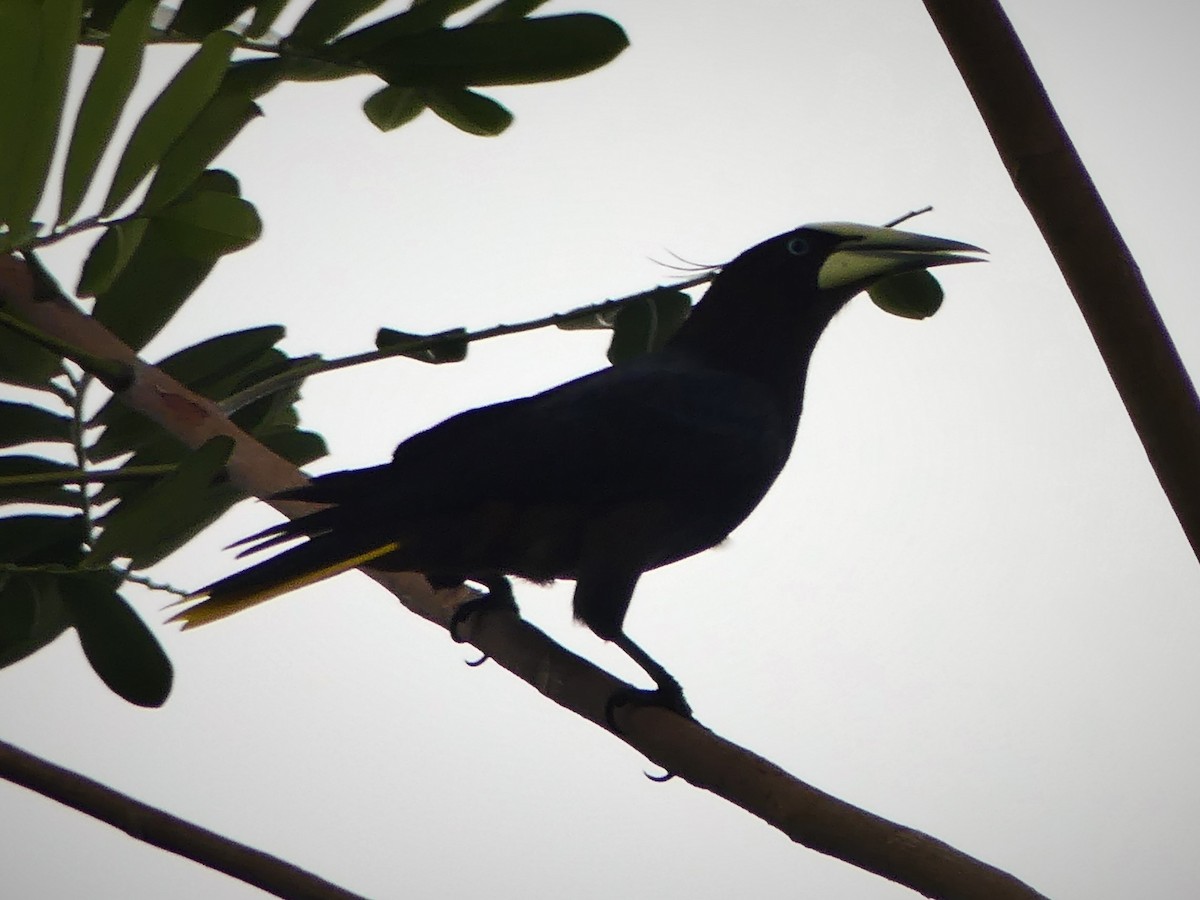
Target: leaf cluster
(95, 492)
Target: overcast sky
(965, 605)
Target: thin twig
(298, 373)
(88, 476)
(912, 214)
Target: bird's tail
(321, 557)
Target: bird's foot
(668, 697)
(499, 598)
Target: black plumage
(607, 476)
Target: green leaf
(509, 9)
(117, 644)
(161, 274)
(146, 528)
(523, 51)
(209, 224)
(265, 13)
(109, 256)
(171, 112)
(37, 45)
(31, 615)
(198, 18)
(644, 325)
(103, 13)
(222, 355)
(26, 362)
(33, 479)
(420, 17)
(588, 318)
(390, 107)
(297, 447)
(162, 450)
(448, 346)
(211, 132)
(150, 289)
(106, 95)
(22, 423)
(39, 539)
(913, 295)
(467, 110)
(325, 18)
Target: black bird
(607, 476)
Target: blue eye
(797, 246)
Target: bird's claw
(628, 696)
(498, 597)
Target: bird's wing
(659, 429)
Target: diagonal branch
(164, 830)
(1094, 259)
(682, 746)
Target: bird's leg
(499, 597)
(602, 594)
(668, 694)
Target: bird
(607, 476)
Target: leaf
(223, 355)
(212, 131)
(26, 362)
(447, 347)
(117, 644)
(509, 9)
(913, 295)
(37, 46)
(589, 318)
(161, 450)
(265, 13)
(147, 527)
(161, 274)
(171, 112)
(37, 539)
(209, 224)
(420, 17)
(390, 107)
(645, 324)
(22, 423)
(103, 13)
(198, 18)
(523, 51)
(325, 18)
(106, 96)
(31, 615)
(297, 447)
(36, 480)
(150, 289)
(109, 255)
(467, 110)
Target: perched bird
(607, 476)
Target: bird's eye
(797, 246)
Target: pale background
(965, 606)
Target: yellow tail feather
(214, 608)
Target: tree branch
(1094, 259)
(682, 746)
(163, 830)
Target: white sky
(965, 606)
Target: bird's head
(843, 258)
